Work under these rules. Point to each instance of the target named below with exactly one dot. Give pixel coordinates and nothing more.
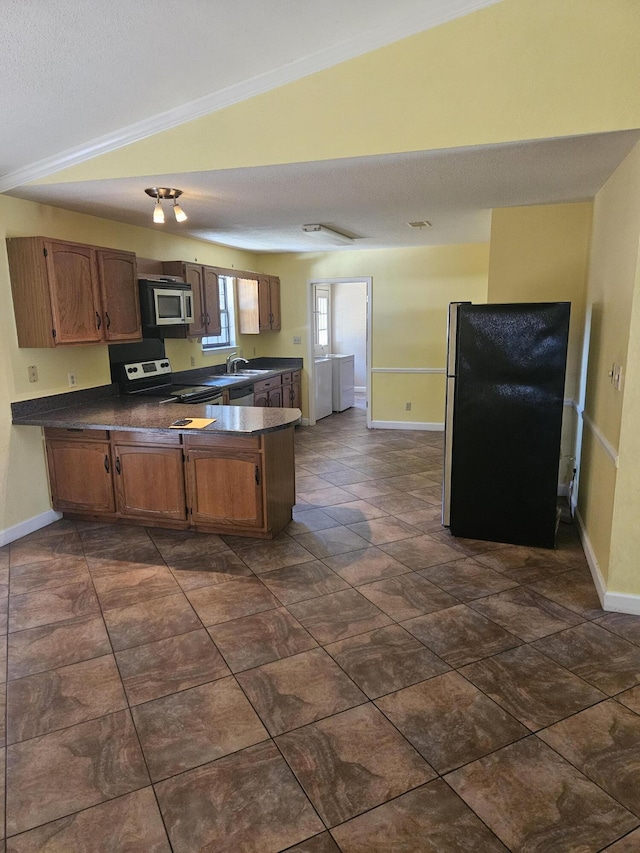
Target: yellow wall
(24, 492)
(613, 295)
(519, 69)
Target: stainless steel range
(153, 378)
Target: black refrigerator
(505, 389)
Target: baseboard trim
(10, 534)
(416, 425)
(612, 602)
(304, 421)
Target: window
(227, 336)
(322, 314)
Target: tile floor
(363, 683)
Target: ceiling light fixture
(161, 193)
(327, 235)
(421, 223)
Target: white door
(322, 319)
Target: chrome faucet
(232, 363)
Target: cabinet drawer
(266, 384)
(296, 376)
(235, 442)
(148, 438)
(71, 433)
(287, 378)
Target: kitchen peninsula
(117, 459)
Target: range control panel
(144, 369)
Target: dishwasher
(242, 396)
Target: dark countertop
(149, 415)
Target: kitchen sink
(251, 372)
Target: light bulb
(158, 212)
(179, 212)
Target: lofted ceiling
(80, 79)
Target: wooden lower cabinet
(223, 483)
(149, 482)
(80, 474)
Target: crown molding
(431, 15)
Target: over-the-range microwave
(165, 301)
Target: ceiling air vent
(421, 224)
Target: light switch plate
(297, 339)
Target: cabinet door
(264, 303)
(296, 394)
(225, 487)
(275, 398)
(80, 475)
(274, 303)
(75, 299)
(149, 482)
(211, 301)
(261, 399)
(193, 276)
(119, 291)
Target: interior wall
(608, 498)
(23, 481)
(349, 325)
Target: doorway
(339, 319)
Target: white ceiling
(78, 79)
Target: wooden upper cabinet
(258, 304)
(119, 292)
(206, 297)
(69, 293)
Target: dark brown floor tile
(51, 646)
(573, 590)
(535, 801)
(449, 721)
(630, 699)
(421, 552)
(622, 624)
(129, 824)
(425, 520)
(431, 819)
(397, 503)
(120, 543)
(354, 512)
(63, 697)
(525, 613)
(459, 635)
(230, 600)
(339, 615)
(33, 577)
(603, 742)
(407, 596)
(298, 690)
(106, 567)
(410, 482)
(334, 540)
(329, 496)
(132, 587)
(629, 844)
(521, 564)
(196, 726)
(370, 564)
(58, 528)
(431, 495)
(385, 660)
(52, 605)
(178, 545)
(3, 791)
(150, 620)
(306, 521)
(347, 475)
(167, 666)
(467, 579)
(261, 638)
(209, 569)
(265, 556)
(246, 801)
(352, 762)
(59, 773)
(531, 687)
(380, 531)
(297, 583)
(25, 551)
(308, 482)
(322, 843)
(372, 489)
(608, 662)
(3, 718)
(4, 557)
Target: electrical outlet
(72, 380)
(407, 407)
(32, 372)
(297, 339)
(193, 361)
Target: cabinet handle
(106, 463)
(98, 319)
(118, 468)
(203, 319)
(106, 314)
(257, 476)
(208, 319)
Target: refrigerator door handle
(448, 452)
